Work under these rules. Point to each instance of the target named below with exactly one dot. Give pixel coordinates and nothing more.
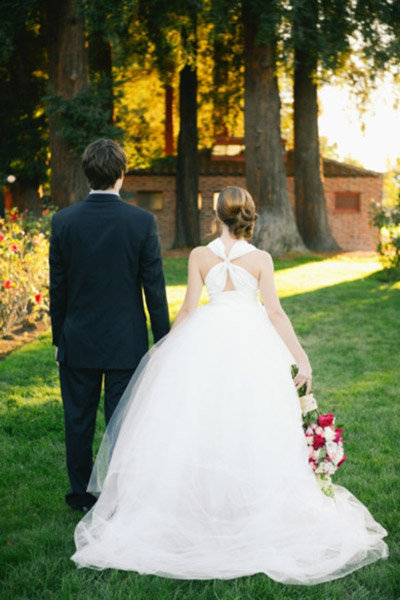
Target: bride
(203, 471)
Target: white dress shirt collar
(104, 192)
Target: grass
(348, 321)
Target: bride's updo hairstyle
(235, 208)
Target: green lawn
(349, 322)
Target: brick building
(348, 192)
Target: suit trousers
(80, 391)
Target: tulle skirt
(203, 470)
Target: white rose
(329, 434)
(316, 454)
(338, 454)
(330, 468)
(326, 468)
(331, 448)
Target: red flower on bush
(14, 217)
(319, 441)
(326, 420)
(45, 212)
(38, 298)
(14, 247)
(7, 284)
(2, 236)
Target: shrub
(387, 220)
(24, 274)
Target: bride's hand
(304, 376)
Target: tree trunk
(25, 196)
(311, 214)
(276, 229)
(68, 75)
(187, 213)
(220, 81)
(100, 63)
(169, 119)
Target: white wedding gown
(209, 474)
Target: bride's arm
(282, 323)
(194, 287)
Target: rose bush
(24, 274)
(387, 220)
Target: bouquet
(324, 440)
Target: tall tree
(227, 84)
(172, 28)
(321, 41)
(107, 23)
(187, 228)
(100, 66)
(169, 119)
(68, 77)
(23, 151)
(276, 229)
(311, 212)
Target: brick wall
(350, 229)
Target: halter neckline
(239, 248)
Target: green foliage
(110, 18)
(164, 163)
(387, 220)
(24, 247)
(83, 118)
(320, 31)
(379, 22)
(171, 28)
(391, 184)
(24, 147)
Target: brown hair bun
(235, 208)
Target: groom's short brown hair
(103, 162)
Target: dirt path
(21, 334)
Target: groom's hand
(55, 356)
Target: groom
(103, 254)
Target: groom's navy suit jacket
(103, 254)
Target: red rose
(2, 236)
(14, 247)
(319, 441)
(45, 212)
(38, 298)
(326, 420)
(7, 284)
(338, 433)
(342, 461)
(14, 217)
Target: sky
(340, 122)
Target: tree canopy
(130, 56)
